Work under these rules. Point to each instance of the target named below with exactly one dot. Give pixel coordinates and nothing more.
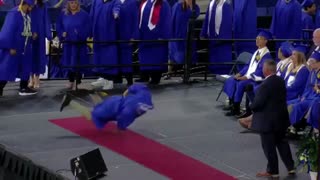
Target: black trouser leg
(23, 84)
(2, 85)
(72, 76)
(129, 78)
(284, 151)
(118, 78)
(155, 77)
(268, 142)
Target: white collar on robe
(262, 51)
(254, 64)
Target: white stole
(150, 25)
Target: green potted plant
(307, 155)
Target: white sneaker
(108, 85)
(99, 83)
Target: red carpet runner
(145, 151)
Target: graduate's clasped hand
(13, 52)
(316, 88)
(64, 34)
(34, 36)
(238, 77)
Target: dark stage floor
(186, 118)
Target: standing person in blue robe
(181, 13)
(104, 15)
(74, 25)
(298, 108)
(154, 24)
(284, 54)
(218, 25)
(308, 11)
(127, 26)
(41, 28)
(16, 49)
(286, 20)
(252, 74)
(245, 24)
(297, 73)
(123, 109)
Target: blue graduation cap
(307, 3)
(300, 48)
(29, 2)
(316, 56)
(264, 33)
(286, 49)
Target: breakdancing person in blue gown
(124, 109)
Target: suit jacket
(270, 113)
(312, 48)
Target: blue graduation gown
(219, 52)
(123, 110)
(301, 106)
(180, 21)
(235, 89)
(286, 21)
(245, 24)
(317, 19)
(314, 115)
(19, 65)
(104, 29)
(307, 23)
(127, 26)
(77, 27)
(154, 53)
(296, 83)
(41, 26)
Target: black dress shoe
(65, 102)
(227, 108)
(141, 80)
(243, 115)
(233, 113)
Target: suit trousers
(270, 143)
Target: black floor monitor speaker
(89, 166)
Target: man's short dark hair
(271, 65)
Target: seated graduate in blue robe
(245, 24)
(284, 54)
(15, 47)
(123, 109)
(313, 116)
(251, 74)
(181, 13)
(74, 25)
(154, 24)
(309, 10)
(218, 25)
(297, 73)
(298, 108)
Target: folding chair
(242, 59)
